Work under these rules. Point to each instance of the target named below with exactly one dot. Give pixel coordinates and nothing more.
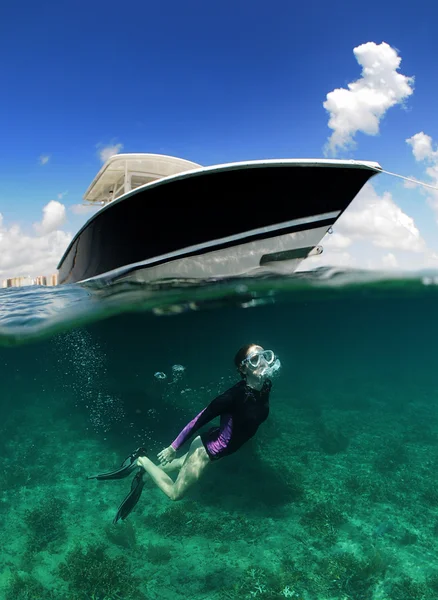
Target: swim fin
(125, 469)
(128, 504)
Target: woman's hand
(167, 455)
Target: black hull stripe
(223, 246)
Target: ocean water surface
(335, 498)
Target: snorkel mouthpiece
(271, 370)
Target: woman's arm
(220, 405)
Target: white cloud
(24, 254)
(424, 151)
(339, 241)
(378, 235)
(54, 217)
(44, 159)
(381, 222)
(83, 209)
(390, 261)
(422, 147)
(105, 152)
(410, 184)
(365, 102)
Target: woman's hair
(241, 355)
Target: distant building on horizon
(18, 281)
(40, 280)
(22, 281)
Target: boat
(162, 218)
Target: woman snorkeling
(242, 408)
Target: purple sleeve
(217, 407)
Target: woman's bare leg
(175, 465)
(194, 465)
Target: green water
(334, 498)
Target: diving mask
(255, 358)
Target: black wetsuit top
(241, 410)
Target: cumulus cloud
(390, 261)
(380, 221)
(44, 159)
(22, 254)
(374, 233)
(83, 209)
(424, 151)
(422, 147)
(411, 183)
(54, 217)
(340, 241)
(362, 106)
(105, 152)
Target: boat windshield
(125, 172)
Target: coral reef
(44, 524)
(92, 571)
(335, 497)
(26, 587)
(157, 553)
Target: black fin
(125, 469)
(128, 504)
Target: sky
(217, 83)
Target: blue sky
(210, 83)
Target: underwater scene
(335, 497)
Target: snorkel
(270, 371)
(262, 365)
